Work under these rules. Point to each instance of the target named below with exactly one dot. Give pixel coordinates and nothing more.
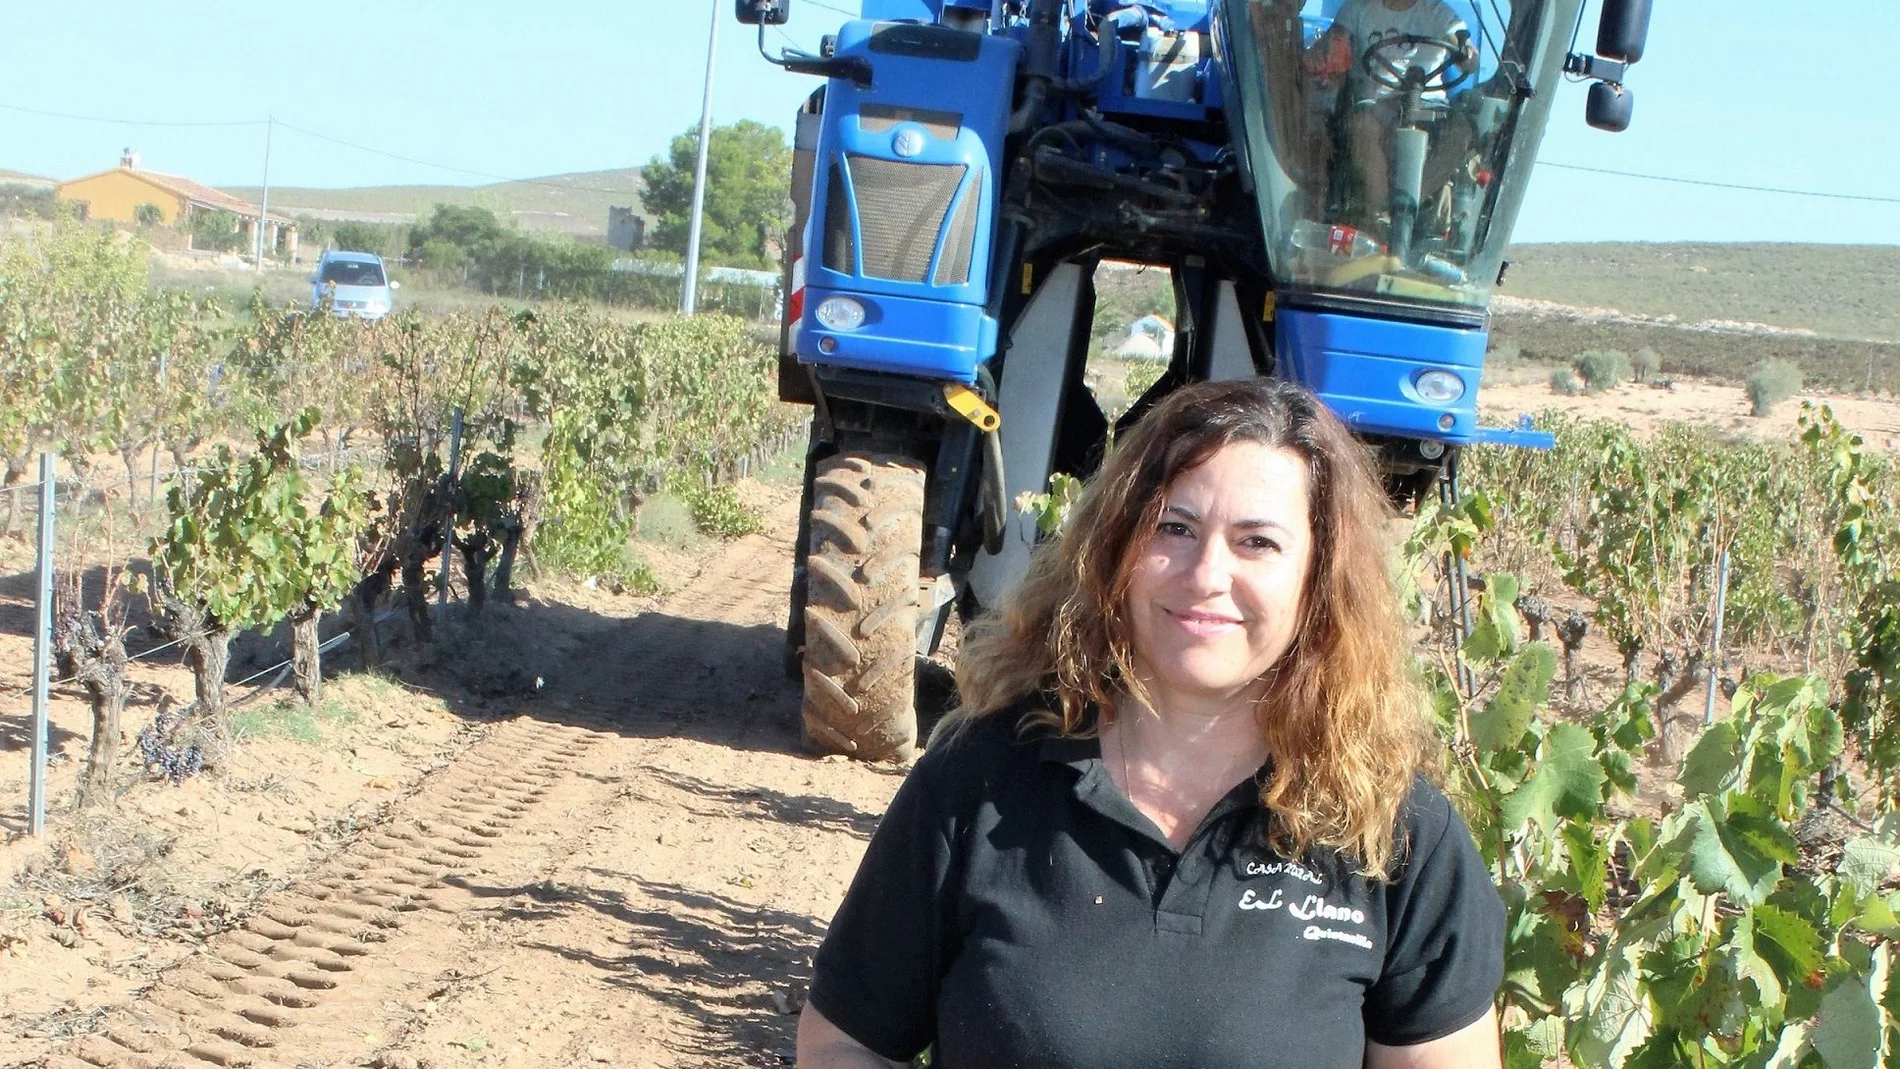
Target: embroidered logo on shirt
(1311, 908)
(1289, 868)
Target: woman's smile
(1204, 623)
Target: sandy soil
(630, 864)
(1696, 401)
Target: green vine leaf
(1715, 762)
(1847, 1034)
(1523, 689)
(1736, 853)
(1494, 631)
(1658, 1052)
(1793, 938)
(1609, 1015)
(1568, 781)
(1589, 863)
(1866, 861)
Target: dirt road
(631, 867)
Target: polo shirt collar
(1096, 789)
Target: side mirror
(763, 12)
(1609, 107)
(394, 285)
(1623, 28)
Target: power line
(839, 10)
(1864, 198)
(1720, 185)
(126, 122)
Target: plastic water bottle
(1344, 242)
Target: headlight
(840, 313)
(1439, 387)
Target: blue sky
(1744, 91)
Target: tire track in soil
(639, 878)
(677, 930)
(257, 995)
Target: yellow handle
(971, 406)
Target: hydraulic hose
(1108, 52)
(1039, 62)
(1035, 95)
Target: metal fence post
(448, 533)
(1715, 653)
(42, 650)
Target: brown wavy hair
(1341, 714)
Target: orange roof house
(119, 193)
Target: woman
(1179, 819)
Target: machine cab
(1390, 140)
(1389, 143)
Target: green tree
(353, 236)
(469, 227)
(214, 231)
(748, 203)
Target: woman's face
(1215, 595)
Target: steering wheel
(1381, 62)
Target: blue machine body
(1367, 370)
(919, 149)
(912, 154)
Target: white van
(357, 283)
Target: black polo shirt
(1016, 910)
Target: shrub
(1602, 369)
(148, 215)
(357, 236)
(1646, 363)
(1564, 381)
(1142, 374)
(1773, 381)
(213, 231)
(717, 511)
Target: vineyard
(491, 438)
(1684, 889)
(1682, 894)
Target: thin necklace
(1121, 747)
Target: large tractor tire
(794, 661)
(866, 523)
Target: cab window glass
(1378, 132)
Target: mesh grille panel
(901, 210)
(959, 243)
(839, 253)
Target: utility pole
(263, 207)
(689, 296)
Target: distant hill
(21, 178)
(571, 203)
(1836, 291)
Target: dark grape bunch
(157, 747)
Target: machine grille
(840, 250)
(959, 243)
(901, 208)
